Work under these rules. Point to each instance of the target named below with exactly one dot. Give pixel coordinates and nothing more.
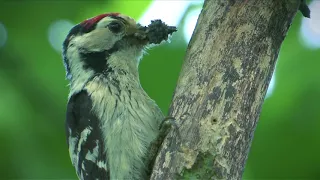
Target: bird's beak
(138, 33)
(141, 32)
(156, 32)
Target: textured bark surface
(217, 102)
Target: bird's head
(102, 45)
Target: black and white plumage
(85, 138)
(111, 121)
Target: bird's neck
(121, 68)
(126, 61)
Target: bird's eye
(115, 27)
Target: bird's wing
(85, 140)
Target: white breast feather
(129, 124)
(129, 121)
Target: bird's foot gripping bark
(166, 125)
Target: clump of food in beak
(156, 32)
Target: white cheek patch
(78, 74)
(97, 40)
(101, 38)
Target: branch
(225, 76)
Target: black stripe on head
(97, 61)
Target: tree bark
(228, 66)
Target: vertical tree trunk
(217, 102)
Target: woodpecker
(111, 121)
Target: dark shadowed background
(33, 89)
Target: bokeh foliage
(34, 91)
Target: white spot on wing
(82, 166)
(72, 145)
(84, 136)
(102, 165)
(92, 156)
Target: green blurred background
(33, 89)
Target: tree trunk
(228, 66)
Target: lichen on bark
(221, 88)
